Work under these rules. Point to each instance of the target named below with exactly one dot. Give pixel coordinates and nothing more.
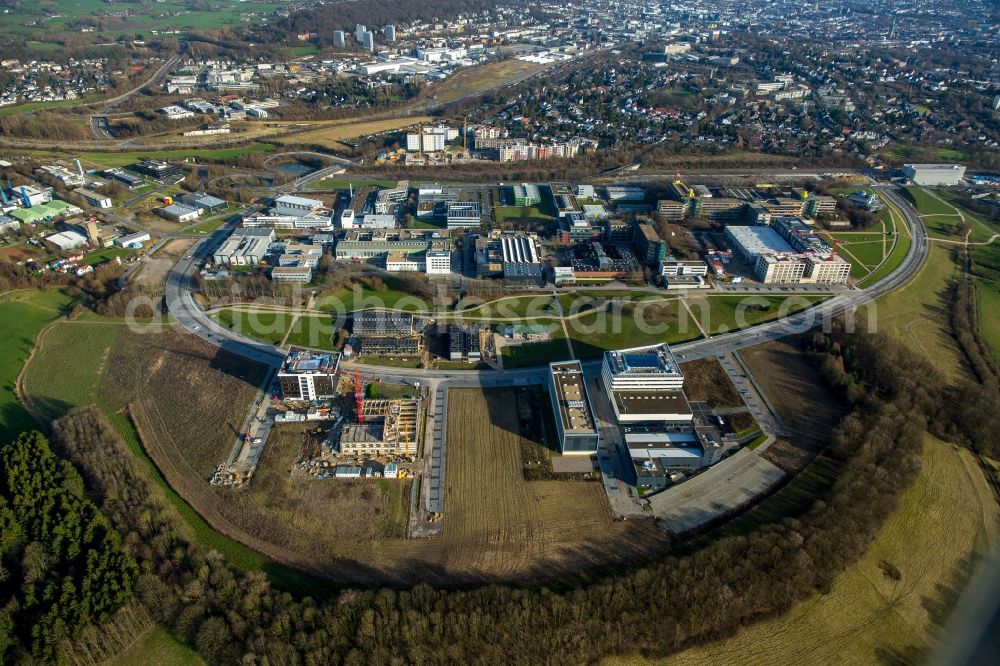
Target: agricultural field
(806, 406)
(24, 314)
(868, 616)
(333, 133)
(475, 80)
(59, 15)
(705, 380)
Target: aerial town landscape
(499, 332)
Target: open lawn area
(520, 214)
(342, 183)
(868, 617)
(515, 308)
(24, 314)
(362, 296)
(724, 313)
(630, 325)
(104, 160)
(265, 326)
(943, 215)
(158, 646)
(988, 302)
(917, 314)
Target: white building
(309, 376)
(646, 385)
(933, 175)
(390, 33)
(138, 238)
(438, 262)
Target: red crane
(358, 390)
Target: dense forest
(63, 566)
(230, 616)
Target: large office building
(934, 174)
(309, 376)
(574, 415)
(645, 385)
(788, 252)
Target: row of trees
(64, 567)
(710, 593)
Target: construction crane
(359, 396)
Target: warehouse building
(179, 213)
(574, 415)
(204, 202)
(288, 204)
(519, 255)
(132, 240)
(64, 241)
(934, 175)
(309, 376)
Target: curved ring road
(180, 302)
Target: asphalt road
(181, 303)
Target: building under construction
(385, 427)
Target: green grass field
(106, 160)
(988, 302)
(342, 183)
(267, 327)
(24, 314)
(158, 646)
(363, 296)
(867, 617)
(895, 258)
(312, 331)
(42, 22)
(515, 307)
(721, 314)
(516, 214)
(593, 333)
(68, 365)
